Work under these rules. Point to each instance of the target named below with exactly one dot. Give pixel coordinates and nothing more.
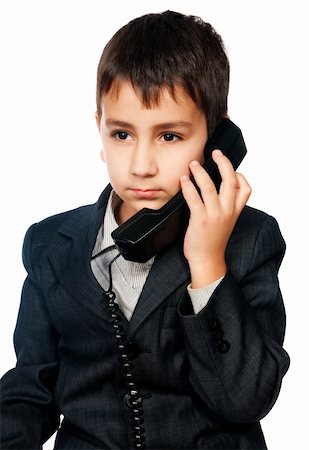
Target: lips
(146, 193)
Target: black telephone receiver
(150, 231)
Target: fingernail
(217, 152)
(195, 163)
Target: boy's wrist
(204, 272)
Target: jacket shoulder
(256, 238)
(42, 235)
(71, 222)
(254, 215)
(55, 222)
(252, 221)
(54, 232)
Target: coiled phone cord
(133, 398)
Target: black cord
(110, 287)
(133, 397)
(112, 247)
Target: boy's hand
(212, 218)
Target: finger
(229, 184)
(191, 195)
(243, 192)
(205, 184)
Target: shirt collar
(104, 238)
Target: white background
(50, 145)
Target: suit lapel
(168, 272)
(71, 257)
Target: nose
(143, 162)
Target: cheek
(172, 176)
(116, 161)
(181, 167)
(117, 169)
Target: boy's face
(147, 150)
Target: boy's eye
(122, 135)
(168, 137)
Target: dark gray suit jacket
(206, 379)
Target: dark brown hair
(168, 49)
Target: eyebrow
(166, 125)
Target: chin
(152, 204)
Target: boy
(183, 351)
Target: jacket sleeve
(234, 344)
(28, 415)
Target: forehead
(123, 98)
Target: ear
(98, 120)
(102, 156)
